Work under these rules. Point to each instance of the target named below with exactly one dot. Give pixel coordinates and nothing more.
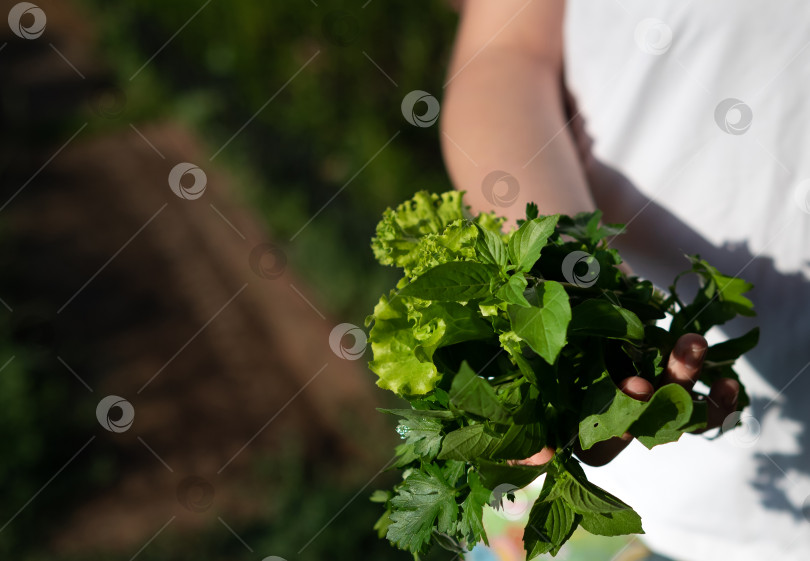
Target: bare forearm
(504, 111)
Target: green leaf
(512, 291)
(405, 455)
(453, 322)
(453, 470)
(471, 393)
(733, 348)
(520, 441)
(610, 412)
(543, 326)
(584, 227)
(467, 443)
(457, 281)
(490, 248)
(669, 409)
(550, 525)
(601, 318)
(719, 300)
(617, 523)
(423, 434)
(528, 241)
(494, 474)
(424, 499)
(424, 231)
(395, 343)
(699, 417)
(406, 333)
(380, 496)
(582, 495)
(382, 524)
(471, 525)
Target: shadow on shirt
(654, 246)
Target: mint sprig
(504, 343)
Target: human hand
(683, 368)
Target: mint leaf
(472, 394)
(424, 499)
(528, 241)
(520, 441)
(467, 443)
(494, 474)
(617, 523)
(550, 525)
(456, 281)
(543, 325)
(733, 348)
(585, 228)
(490, 248)
(582, 495)
(601, 318)
(512, 291)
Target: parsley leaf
(424, 499)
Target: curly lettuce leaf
(428, 230)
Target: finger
(603, 452)
(542, 457)
(686, 360)
(637, 388)
(722, 401)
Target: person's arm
(503, 107)
(503, 110)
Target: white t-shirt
(703, 107)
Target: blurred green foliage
(302, 78)
(312, 126)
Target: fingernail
(693, 354)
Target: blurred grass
(301, 152)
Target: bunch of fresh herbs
(504, 343)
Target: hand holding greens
(504, 343)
